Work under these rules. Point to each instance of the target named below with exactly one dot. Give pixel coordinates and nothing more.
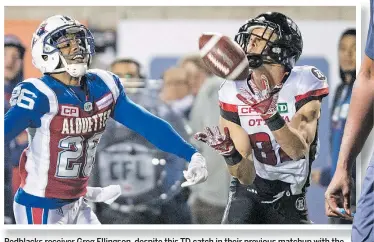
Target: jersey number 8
(263, 149)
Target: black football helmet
(285, 49)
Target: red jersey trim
(313, 93)
(228, 107)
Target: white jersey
(304, 84)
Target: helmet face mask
(61, 38)
(261, 32)
(52, 49)
(280, 35)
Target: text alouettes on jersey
(304, 84)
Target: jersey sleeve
(156, 130)
(28, 105)
(227, 104)
(369, 50)
(312, 85)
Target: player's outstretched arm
(154, 129)
(295, 137)
(244, 170)
(234, 146)
(161, 134)
(360, 116)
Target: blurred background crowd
(154, 52)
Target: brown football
(223, 56)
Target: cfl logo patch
(69, 111)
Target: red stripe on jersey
(228, 107)
(313, 93)
(37, 215)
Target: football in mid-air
(223, 56)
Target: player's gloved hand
(197, 171)
(103, 194)
(223, 144)
(263, 101)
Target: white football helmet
(51, 33)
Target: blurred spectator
(150, 179)
(14, 52)
(209, 199)
(126, 68)
(176, 91)
(130, 69)
(342, 98)
(105, 47)
(196, 71)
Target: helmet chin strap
(257, 60)
(74, 70)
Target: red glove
(221, 143)
(263, 101)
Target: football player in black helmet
(270, 125)
(280, 38)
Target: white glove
(197, 171)
(103, 194)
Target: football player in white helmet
(270, 125)
(51, 42)
(65, 112)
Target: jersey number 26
(77, 157)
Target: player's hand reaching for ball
(197, 171)
(223, 144)
(261, 97)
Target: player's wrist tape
(275, 122)
(234, 158)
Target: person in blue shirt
(340, 106)
(65, 112)
(358, 126)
